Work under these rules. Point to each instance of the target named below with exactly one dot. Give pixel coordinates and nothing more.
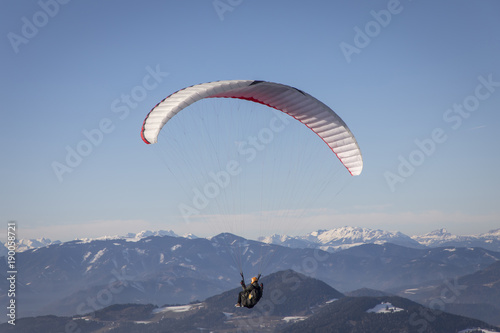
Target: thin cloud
(477, 127)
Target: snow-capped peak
(340, 238)
(351, 235)
(27, 244)
(492, 233)
(148, 233)
(434, 237)
(274, 239)
(443, 233)
(189, 236)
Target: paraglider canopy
(311, 112)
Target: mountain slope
(285, 292)
(476, 295)
(389, 265)
(381, 314)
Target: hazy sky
(418, 83)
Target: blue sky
(418, 82)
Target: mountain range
(292, 302)
(82, 276)
(328, 240)
(345, 237)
